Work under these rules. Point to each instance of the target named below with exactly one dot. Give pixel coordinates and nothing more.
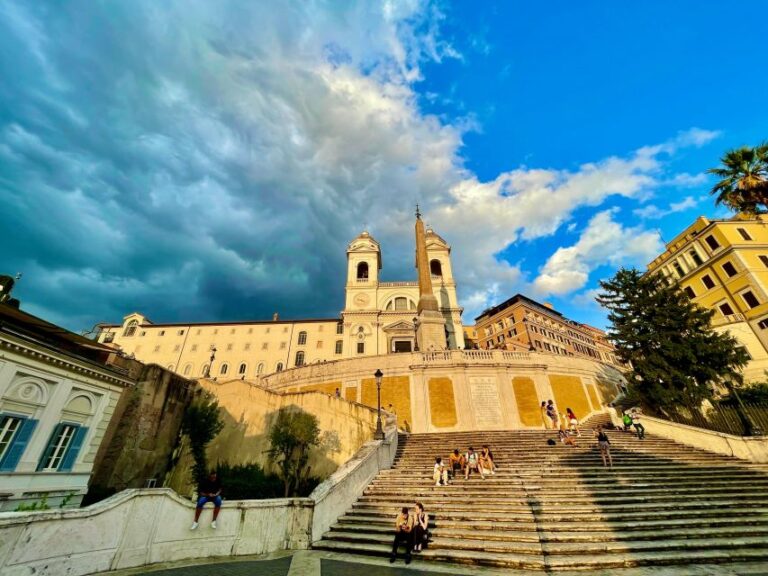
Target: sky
(203, 161)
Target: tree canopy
(291, 436)
(743, 184)
(676, 357)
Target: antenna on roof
(418, 213)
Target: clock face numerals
(362, 299)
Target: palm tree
(744, 179)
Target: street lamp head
(378, 374)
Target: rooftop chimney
(275, 317)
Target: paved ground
(308, 563)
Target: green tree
(201, 424)
(743, 184)
(291, 437)
(676, 357)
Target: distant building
(723, 266)
(58, 391)
(523, 323)
(470, 337)
(378, 318)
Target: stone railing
(397, 284)
(473, 356)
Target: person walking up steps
(545, 416)
(552, 414)
(403, 535)
(637, 424)
(605, 446)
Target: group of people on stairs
(466, 463)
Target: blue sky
(210, 162)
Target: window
(750, 299)
(130, 328)
(215, 331)
(729, 269)
(161, 333)
(224, 369)
(319, 327)
(177, 348)
(339, 346)
(264, 345)
(157, 349)
(401, 303)
(260, 368)
(319, 343)
(242, 368)
(232, 331)
(300, 358)
(11, 449)
(764, 260)
(282, 345)
(763, 324)
(711, 242)
(279, 367)
(229, 347)
(339, 328)
(199, 331)
(678, 268)
(63, 448)
(247, 346)
(267, 330)
(302, 338)
(726, 309)
(181, 332)
(361, 347)
(143, 333)
(108, 337)
(708, 283)
(695, 257)
(744, 234)
(205, 370)
(362, 271)
(187, 369)
(435, 268)
(250, 330)
(285, 329)
(170, 367)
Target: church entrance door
(403, 346)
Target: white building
(57, 395)
(378, 318)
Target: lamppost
(379, 434)
(210, 366)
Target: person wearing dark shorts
(209, 490)
(604, 444)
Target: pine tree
(676, 357)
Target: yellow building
(723, 266)
(521, 323)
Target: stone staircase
(556, 507)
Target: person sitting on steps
(472, 463)
(209, 490)
(440, 474)
(403, 535)
(566, 438)
(486, 461)
(456, 462)
(420, 528)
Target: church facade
(378, 318)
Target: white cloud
(652, 212)
(604, 241)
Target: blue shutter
(49, 447)
(73, 449)
(18, 445)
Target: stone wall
(143, 433)
(248, 411)
(458, 390)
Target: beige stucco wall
(458, 390)
(248, 411)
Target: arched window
(435, 268)
(302, 338)
(260, 368)
(224, 368)
(242, 368)
(401, 303)
(130, 328)
(300, 358)
(205, 369)
(279, 367)
(170, 367)
(187, 369)
(362, 271)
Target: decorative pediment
(399, 326)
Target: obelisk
(430, 332)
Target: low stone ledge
(750, 448)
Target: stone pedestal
(430, 334)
